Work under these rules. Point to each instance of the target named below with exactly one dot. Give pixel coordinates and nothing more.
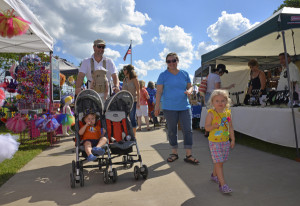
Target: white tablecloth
(274, 125)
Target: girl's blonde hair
(217, 92)
(142, 84)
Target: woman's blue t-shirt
(174, 86)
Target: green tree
(289, 3)
(121, 75)
(7, 59)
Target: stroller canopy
(121, 101)
(88, 99)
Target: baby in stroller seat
(92, 135)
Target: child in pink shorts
(219, 125)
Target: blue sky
(188, 27)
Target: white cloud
(204, 47)
(154, 39)
(176, 40)
(112, 53)
(78, 23)
(227, 27)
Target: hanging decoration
(33, 79)
(12, 25)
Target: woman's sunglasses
(173, 61)
(100, 47)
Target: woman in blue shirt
(174, 86)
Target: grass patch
(275, 149)
(26, 152)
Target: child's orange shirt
(91, 132)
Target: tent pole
(291, 95)
(50, 95)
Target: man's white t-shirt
(86, 67)
(294, 77)
(212, 79)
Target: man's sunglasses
(173, 60)
(100, 47)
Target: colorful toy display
(33, 80)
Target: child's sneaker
(214, 178)
(225, 189)
(98, 151)
(91, 158)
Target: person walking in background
(152, 92)
(143, 110)
(173, 85)
(100, 63)
(219, 125)
(131, 84)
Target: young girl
(143, 110)
(219, 125)
(92, 135)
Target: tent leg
(291, 95)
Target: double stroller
(114, 117)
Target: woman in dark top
(257, 84)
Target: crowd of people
(170, 96)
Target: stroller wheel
(81, 178)
(73, 167)
(105, 176)
(72, 180)
(136, 172)
(114, 177)
(144, 171)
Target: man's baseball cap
(222, 68)
(99, 41)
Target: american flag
(128, 52)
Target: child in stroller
(92, 135)
(89, 139)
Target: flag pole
(131, 52)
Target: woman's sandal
(192, 161)
(172, 157)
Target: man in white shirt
(294, 75)
(85, 69)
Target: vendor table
(274, 125)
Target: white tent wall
(238, 74)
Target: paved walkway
(257, 178)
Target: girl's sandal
(172, 157)
(191, 159)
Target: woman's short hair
(252, 63)
(130, 69)
(217, 92)
(172, 54)
(151, 85)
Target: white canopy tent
(36, 39)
